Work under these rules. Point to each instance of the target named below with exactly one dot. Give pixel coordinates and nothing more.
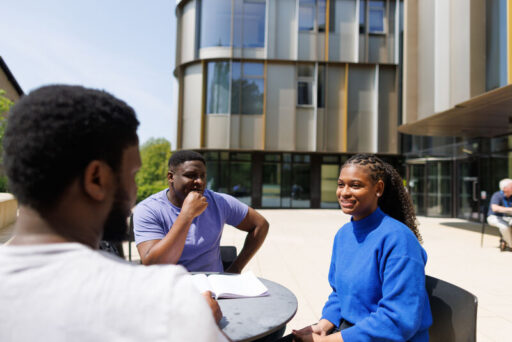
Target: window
(312, 15)
(362, 16)
(247, 88)
(305, 78)
(215, 23)
(376, 16)
(321, 15)
(217, 93)
(271, 182)
(249, 23)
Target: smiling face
(184, 178)
(357, 193)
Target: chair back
(227, 255)
(453, 310)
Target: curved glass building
(278, 93)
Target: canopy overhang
(487, 115)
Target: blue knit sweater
(377, 275)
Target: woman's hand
(315, 332)
(310, 329)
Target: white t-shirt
(69, 292)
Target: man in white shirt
(71, 155)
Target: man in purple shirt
(183, 224)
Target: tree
(152, 176)
(5, 105)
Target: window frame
(309, 80)
(385, 15)
(246, 77)
(316, 11)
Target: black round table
(248, 319)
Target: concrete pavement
(297, 253)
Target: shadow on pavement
(472, 227)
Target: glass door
(439, 188)
(468, 190)
(417, 187)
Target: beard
(115, 228)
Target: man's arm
(168, 250)
(257, 228)
(500, 209)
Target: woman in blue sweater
(377, 271)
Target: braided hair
(395, 201)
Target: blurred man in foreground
(71, 155)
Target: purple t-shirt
(154, 217)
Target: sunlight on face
(357, 193)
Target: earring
(378, 194)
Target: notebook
(230, 286)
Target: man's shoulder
(157, 197)
(153, 203)
(155, 277)
(498, 195)
(222, 197)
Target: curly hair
(179, 157)
(395, 200)
(55, 131)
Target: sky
(125, 47)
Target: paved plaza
(298, 249)
(297, 253)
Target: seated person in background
(71, 155)
(500, 213)
(183, 224)
(377, 271)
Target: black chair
(227, 255)
(453, 310)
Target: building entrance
(468, 199)
(429, 182)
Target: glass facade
(496, 44)
(215, 23)
(376, 16)
(271, 184)
(279, 179)
(312, 15)
(247, 88)
(328, 184)
(300, 190)
(265, 77)
(229, 172)
(217, 95)
(306, 15)
(247, 23)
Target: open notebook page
(236, 286)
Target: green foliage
(3, 183)
(152, 176)
(5, 105)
